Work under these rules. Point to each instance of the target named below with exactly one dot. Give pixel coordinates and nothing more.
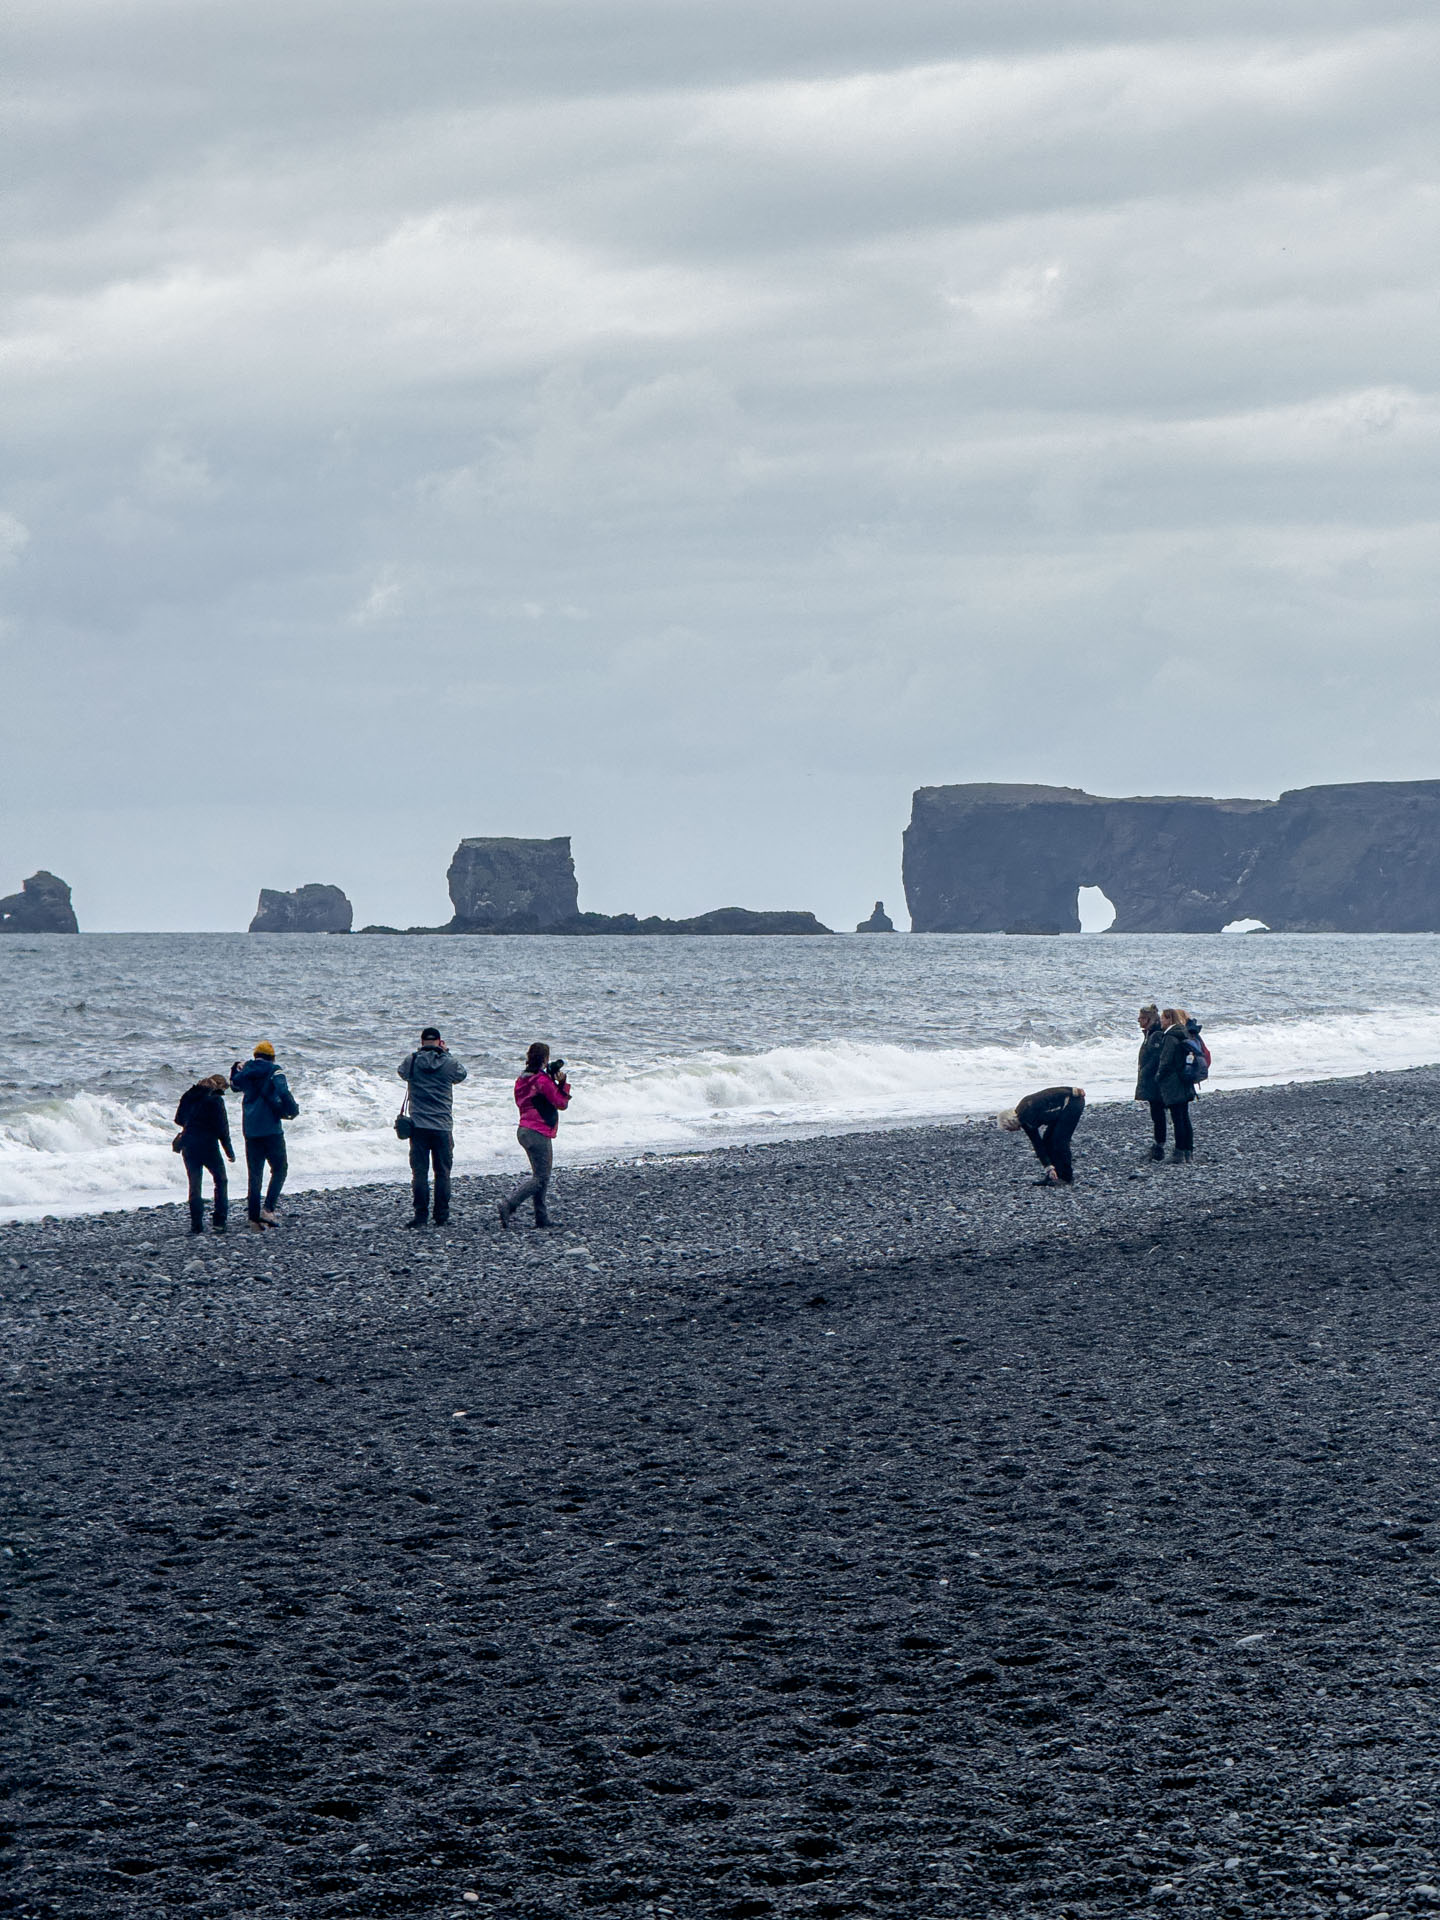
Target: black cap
(429, 1033)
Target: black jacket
(1170, 1077)
(201, 1116)
(1147, 1087)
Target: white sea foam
(93, 1152)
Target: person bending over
(1174, 1080)
(430, 1072)
(204, 1130)
(1049, 1119)
(266, 1105)
(542, 1094)
(1147, 1087)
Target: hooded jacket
(530, 1090)
(201, 1117)
(1170, 1077)
(1147, 1087)
(431, 1075)
(267, 1099)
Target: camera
(556, 1068)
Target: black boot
(1157, 1152)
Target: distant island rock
(512, 886)
(1363, 858)
(309, 909)
(529, 886)
(41, 906)
(879, 921)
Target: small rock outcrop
(41, 906)
(879, 921)
(309, 909)
(512, 886)
(1011, 859)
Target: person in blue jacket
(267, 1104)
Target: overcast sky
(690, 425)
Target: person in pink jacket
(542, 1094)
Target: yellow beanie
(264, 1051)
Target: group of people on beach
(426, 1120)
(1173, 1061)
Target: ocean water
(674, 1045)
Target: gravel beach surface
(840, 1527)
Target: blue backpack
(1197, 1064)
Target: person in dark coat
(1175, 1086)
(204, 1130)
(1147, 1087)
(1049, 1119)
(267, 1104)
(430, 1073)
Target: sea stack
(1011, 859)
(41, 906)
(309, 909)
(512, 886)
(879, 921)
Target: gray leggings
(540, 1152)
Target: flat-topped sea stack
(309, 909)
(529, 886)
(41, 906)
(1011, 859)
(512, 886)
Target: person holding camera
(430, 1073)
(542, 1094)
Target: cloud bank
(692, 427)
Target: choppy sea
(674, 1044)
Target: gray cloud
(694, 427)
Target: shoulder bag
(404, 1125)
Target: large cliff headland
(1011, 859)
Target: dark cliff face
(41, 906)
(309, 909)
(512, 886)
(1010, 859)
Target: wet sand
(841, 1527)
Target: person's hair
(1009, 1121)
(217, 1083)
(429, 1033)
(536, 1054)
(1149, 1007)
(1174, 1016)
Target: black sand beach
(838, 1528)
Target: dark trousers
(200, 1160)
(262, 1150)
(1184, 1132)
(1053, 1145)
(1158, 1110)
(540, 1152)
(427, 1145)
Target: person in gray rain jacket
(430, 1073)
(266, 1104)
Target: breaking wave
(94, 1152)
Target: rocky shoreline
(846, 1526)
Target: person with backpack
(542, 1094)
(204, 1130)
(430, 1073)
(267, 1103)
(1182, 1063)
(1049, 1120)
(1147, 1088)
